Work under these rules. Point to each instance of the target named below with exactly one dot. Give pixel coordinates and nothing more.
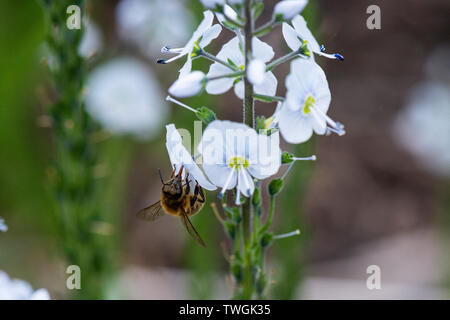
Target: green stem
(268, 26)
(84, 239)
(228, 75)
(249, 119)
(283, 59)
(266, 225)
(215, 59)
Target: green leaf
(275, 186)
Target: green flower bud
(256, 199)
(261, 283)
(286, 157)
(275, 186)
(266, 239)
(206, 115)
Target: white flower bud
(188, 86)
(256, 72)
(289, 8)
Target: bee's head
(173, 188)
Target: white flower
(148, 24)
(188, 85)
(3, 226)
(233, 154)
(205, 33)
(233, 54)
(180, 157)
(125, 98)
(295, 37)
(92, 42)
(423, 127)
(307, 100)
(289, 8)
(15, 289)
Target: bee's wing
(190, 228)
(151, 213)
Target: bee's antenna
(160, 176)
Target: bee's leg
(188, 187)
(173, 171)
(202, 195)
(198, 195)
(180, 172)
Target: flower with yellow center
(234, 155)
(304, 110)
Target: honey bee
(177, 200)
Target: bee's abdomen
(171, 206)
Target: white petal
(219, 86)
(229, 12)
(268, 156)
(302, 30)
(245, 183)
(232, 50)
(218, 175)
(291, 37)
(188, 86)
(204, 25)
(239, 89)
(294, 127)
(269, 85)
(262, 50)
(209, 35)
(256, 71)
(187, 68)
(289, 8)
(198, 175)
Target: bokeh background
(380, 195)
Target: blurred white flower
(125, 98)
(189, 85)
(307, 100)
(423, 126)
(92, 41)
(287, 9)
(212, 4)
(256, 72)
(180, 157)
(295, 37)
(233, 154)
(232, 53)
(205, 33)
(3, 226)
(15, 289)
(438, 64)
(149, 23)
